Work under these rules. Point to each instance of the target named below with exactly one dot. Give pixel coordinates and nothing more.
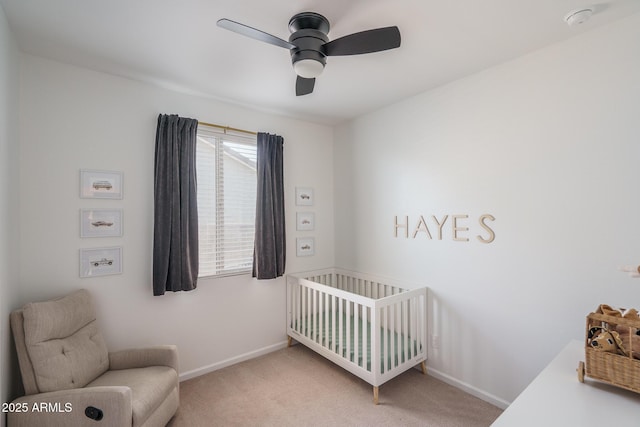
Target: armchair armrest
(161, 355)
(67, 407)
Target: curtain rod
(226, 128)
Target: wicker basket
(621, 371)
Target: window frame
(245, 153)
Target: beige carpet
(297, 387)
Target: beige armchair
(70, 379)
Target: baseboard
(232, 361)
(468, 388)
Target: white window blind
(226, 172)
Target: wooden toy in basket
(612, 348)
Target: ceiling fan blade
(364, 42)
(245, 30)
(304, 86)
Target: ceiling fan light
(308, 68)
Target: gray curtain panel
(175, 233)
(269, 248)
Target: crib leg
(289, 341)
(375, 395)
(423, 365)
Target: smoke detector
(577, 17)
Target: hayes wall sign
(460, 228)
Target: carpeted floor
(297, 387)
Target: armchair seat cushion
(149, 386)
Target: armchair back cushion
(62, 340)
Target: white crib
(334, 312)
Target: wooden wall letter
(492, 234)
(457, 229)
(422, 226)
(405, 226)
(440, 224)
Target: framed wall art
(305, 246)
(304, 196)
(100, 222)
(95, 184)
(305, 221)
(100, 261)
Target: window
(226, 172)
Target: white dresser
(557, 398)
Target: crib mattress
(327, 340)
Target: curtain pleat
(269, 247)
(175, 234)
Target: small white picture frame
(101, 223)
(305, 221)
(305, 246)
(100, 261)
(304, 196)
(96, 184)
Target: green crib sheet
(327, 340)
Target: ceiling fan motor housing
(308, 45)
(309, 33)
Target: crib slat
(308, 314)
(298, 306)
(348, 330)
(334, 321)
(414, 327)
(300, 317)
(303, 312)
(366, 351)
(320, 318)
(295, 304)
(341, 326)
(316, 315)
(312, 315)
(385, 338)
(398, 331)
(356, 329)
(405, 331)
(422, 321)
(392, 327)
(325, 315)
(291, 303)
(382, 339)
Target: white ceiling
(176, 44)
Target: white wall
(72, 118)
(549, 145)
(8, 204)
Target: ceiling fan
(310, 46)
